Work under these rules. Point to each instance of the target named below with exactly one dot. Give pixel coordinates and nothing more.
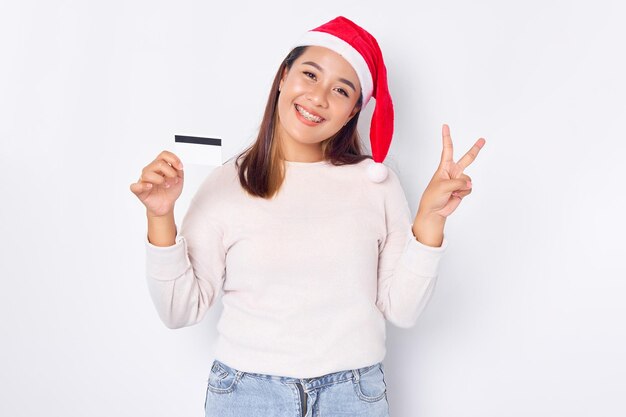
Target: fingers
(448, 149)
(172, 159)
(140, 187)
(463, 183)
(167, 164)
(165, 170)
(447, 152)
(461, 194)
(155, 178)
(465, 177)
(471, 155)
(161, 168)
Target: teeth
(308, 115)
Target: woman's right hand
(160, 184)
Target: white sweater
(308, 277)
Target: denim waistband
(308, 383)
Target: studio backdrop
(527, 315)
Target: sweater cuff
(423, 260)
(166, 263)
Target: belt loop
(356, 374)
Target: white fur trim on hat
(350, 54)
(377, 172)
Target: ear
(282, 79)
(355, 110)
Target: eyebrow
(343, 80)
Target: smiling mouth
(308, 116)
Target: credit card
(197, 150)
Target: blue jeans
(358, 392)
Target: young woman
(310, 240)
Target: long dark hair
(261, 170)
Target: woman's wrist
(162, 229)
(428, 229)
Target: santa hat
(361, 50)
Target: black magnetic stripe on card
(198, 140)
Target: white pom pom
(377, 172)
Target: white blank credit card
(198, 151)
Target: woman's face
(317, 97)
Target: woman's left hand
(449, 184)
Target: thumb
(456, 185)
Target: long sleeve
(326, 263)
(407, 269)
(185, 279)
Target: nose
(317, 95)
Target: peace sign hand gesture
(449, 184)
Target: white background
(525, 320)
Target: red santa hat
(361, 50)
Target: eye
(309, 74)
(342, 91)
